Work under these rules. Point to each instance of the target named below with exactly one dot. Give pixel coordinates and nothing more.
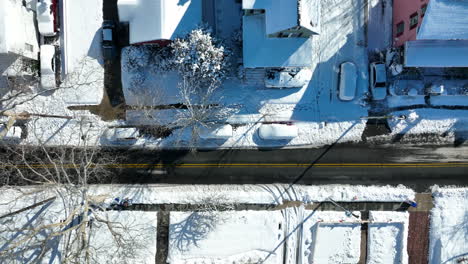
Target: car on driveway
(47, 58)
(45, 18)
(378, 80)
(348, 81)
(109, 48)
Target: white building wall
(17, 30)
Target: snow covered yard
(330, 237)
(449, 226)
(117, 236)
(387, 237)
(213, 236)
(450, 125)
(225, 237)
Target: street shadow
(196, 227)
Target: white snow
(257, 47)
(348, 80)
(387, 237)
(255, 194)
(449, 226)
(81, 51)
(216, 132)
(164, 19)
(279, 16)
(137, 228)
(47, 72)
(429, 121)
(274, 194)
(330, 237)
(284, 79)
(225, 237)
(277, 132)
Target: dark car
(109, 48)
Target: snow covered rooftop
(17, 31)
(163, 19)
(436, 53)
(261, 51)
(445, 19)
(287, 14)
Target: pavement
(416, 167)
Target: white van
(348, 79)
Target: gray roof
(436, 53)
(445, 19)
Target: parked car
(122, 135)
(45, 18)
(277, 131)
(378, 80)
(348, 81)
(48, 80)
(109, 48)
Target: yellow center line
(259, 165)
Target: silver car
(378, 81)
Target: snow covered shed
(153, 20)
(277, 33)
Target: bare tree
(73, 225)
(202, 64)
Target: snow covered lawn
(225, 237)
(387, 237)
(449, 226)
(331, 237)
(137, 229)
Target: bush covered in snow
(199, 60)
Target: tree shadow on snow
(190, 231)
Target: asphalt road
(418, 167)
